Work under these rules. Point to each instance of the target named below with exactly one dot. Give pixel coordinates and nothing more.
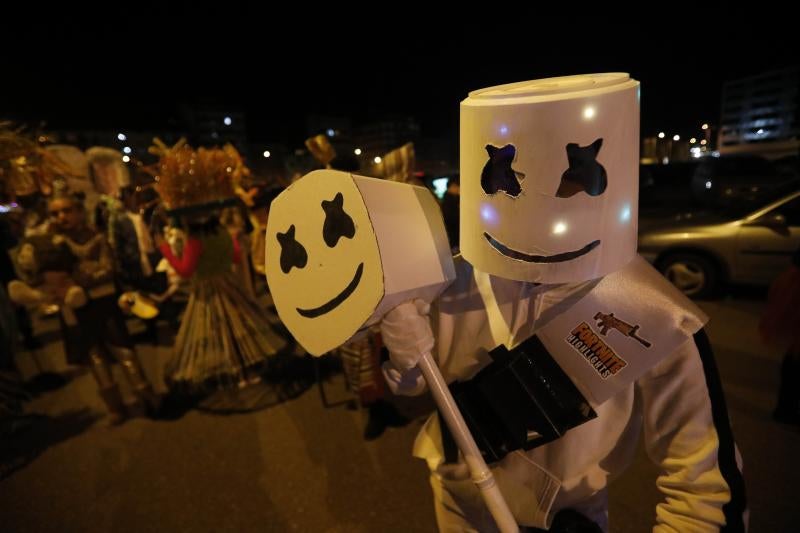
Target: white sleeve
(688, 435)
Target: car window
(734, 167)
(661, 185)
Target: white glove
(406, 332)
(410, 383)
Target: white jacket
(677, 403)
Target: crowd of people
(97, 257)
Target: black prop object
(520, 401)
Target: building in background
(382, 136)
(664, 149)
(210, 125)
(761, 114)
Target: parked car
(731, 180)
(748, 241)
(666, 188)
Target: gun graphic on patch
(609, 321)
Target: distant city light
(126, 159)
(660, 134)
(121, 137)
(676, 137)
(266, 153)
(126, 149)
(330, 132)
(703, 142)
(692, 140)
(704, 127)
(357, 151)
(377, 159)
(696, 152)
(588, 112)
(559, 228)
(227, 121)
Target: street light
(659, 158)
(266, 153)
(706, 133)
(357, 151)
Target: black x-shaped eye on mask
(497, 174)
(584, 174)
(292, 252)
(337, 224)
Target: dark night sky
(130, 66)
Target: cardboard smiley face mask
(342, 250)
(549, 177)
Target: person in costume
(26, 168)
(224, 340)
(562, 345)
(780, 324)
(71, 267)
(132, 250)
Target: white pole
(481, 475)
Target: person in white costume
(561, 345)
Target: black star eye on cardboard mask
(342, 250)
(549, 177)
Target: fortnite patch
(596, 352)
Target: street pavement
(299, 465)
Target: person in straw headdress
(225, 339)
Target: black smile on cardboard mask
(342, 250)
(549, 177)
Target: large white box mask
(343, 250)
(549, 177)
